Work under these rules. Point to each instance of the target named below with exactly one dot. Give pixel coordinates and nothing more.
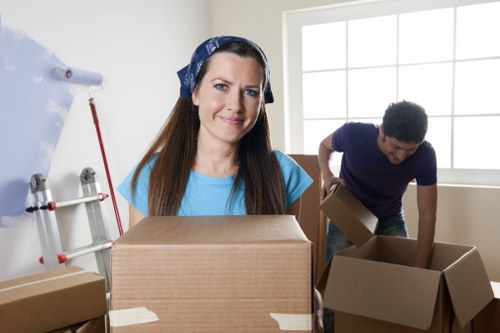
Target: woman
(214, 156)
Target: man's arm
(325, 151)
(427, 207)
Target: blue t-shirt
(207, 196)
(375, 181)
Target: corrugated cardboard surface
(311, 220)
(355, 221)
(488, 320)
(212, 274)
(51, 300)
(96, 325)
(377, 284)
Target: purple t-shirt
(376, 182)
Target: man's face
(397, 151)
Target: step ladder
(44, 208)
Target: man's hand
(328, 182)
(318, 312)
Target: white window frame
(293, 23)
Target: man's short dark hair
(405, 121)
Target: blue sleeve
(140, 197)
(295, 178)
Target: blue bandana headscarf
(189, 74)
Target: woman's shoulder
(286, 162)
(282, 157)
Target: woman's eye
(251, 92)
(220, 86)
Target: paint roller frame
(78, 76)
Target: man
(378, 163)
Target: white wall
(137, 46)
(467, 215)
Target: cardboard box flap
(199, 230)
(366, 288)
(469, 287)
(349, 215)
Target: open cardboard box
(214, 274)
(375, 288)
(355, 221)
(51, 300)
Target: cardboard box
(488, 320)
(374, 288)
(96, 325)
(51, 300)
(214, 274)
(355, 221)
(311, 219)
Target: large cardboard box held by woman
(213, 274)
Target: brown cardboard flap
(244, 229)
(355, 221)
(469, 287)
(382, 291)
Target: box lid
(185, 230)
(355, 221)
(469, 287)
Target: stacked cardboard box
(312, 222)
(373, 287)
(214, 274)
(96, 325)
(51, 300)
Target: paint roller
(78, 76)
(83, 77)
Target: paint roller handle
(103, 153)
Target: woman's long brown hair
(176, 145)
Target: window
(349, 61)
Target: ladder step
(63, 257)
(52, 205)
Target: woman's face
(229, 97)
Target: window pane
(324, 95)
(478, 30)
(428, 85)
(315, 131)
(370, 91)
(432, 41)
(372, 42)
(477, 85)
(323, 46)
(476, 142)
(439, 135)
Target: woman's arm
(294, 209)
(134, 216)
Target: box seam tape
(131, 316)
(293, 322)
